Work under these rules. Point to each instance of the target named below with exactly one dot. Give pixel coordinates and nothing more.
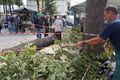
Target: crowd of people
(12, 22)
(42, 24)
(45, 24)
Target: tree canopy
(50, 7)
(16, 2)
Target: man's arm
(92, 42)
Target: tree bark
(10, 6)
(42, 4)
(40, 43)
(10, 10)
(37, 1)
(4, 8)
(94, 18)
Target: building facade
(62, 6)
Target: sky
(75, 2)
(24, 2)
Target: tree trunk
(38, 5)
(12, 4)
(10, 9)
(94, 18)
(40, 43)
(42, 4)
(4, 8)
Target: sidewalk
(9, 40)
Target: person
(58, 27)
(38, 26)
(47, 23)
(69, 21)
(17, 23)
(10, 22)
(0, 28)
(0, 24)
(111, 31)
(82, 25)
(63, 20)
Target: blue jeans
(11, 27)
(116, 75)
(38, 31)
(68, 24)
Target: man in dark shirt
(0, 27)
(38, 26)
(111, 31)
(47, 23)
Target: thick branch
(40, 43)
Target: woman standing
(58, 27)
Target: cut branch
(40, 43)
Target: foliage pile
(29, 65)
(66, 64)
(88, 63)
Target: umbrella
(40, 14)
(24, 10)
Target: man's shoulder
(116, 21)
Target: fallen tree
(39, 43)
